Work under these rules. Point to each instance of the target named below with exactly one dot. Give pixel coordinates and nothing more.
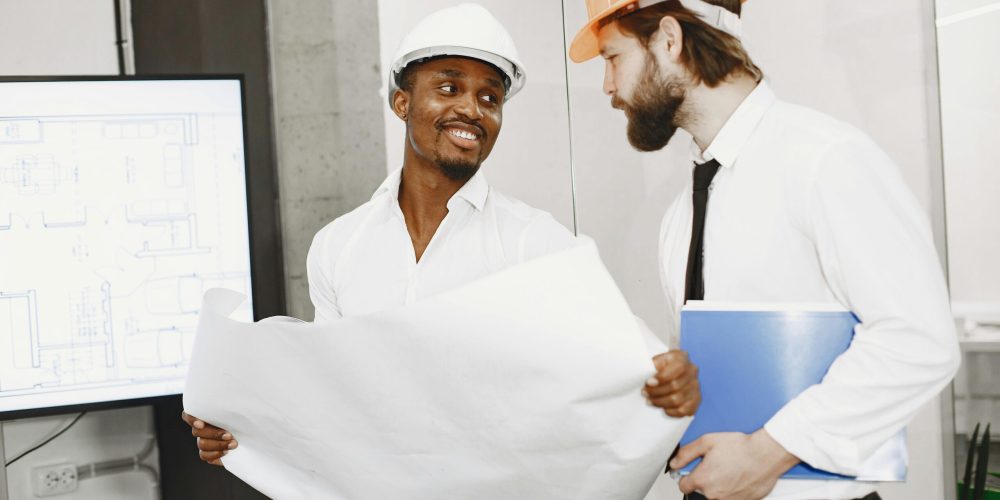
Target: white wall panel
(58, 37)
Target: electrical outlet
(55, 479)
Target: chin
(646, 142)
(458, 169)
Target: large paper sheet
(522, 385)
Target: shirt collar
(738, 128)
(474, 191)
(390, 184)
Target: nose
(468, 106)
(609, 79)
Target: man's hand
(734, 465)
(675, 386)
(213, 442)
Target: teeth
(463, 134)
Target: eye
(449, 88)
(490, 98)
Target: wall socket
(55, 479)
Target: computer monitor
(121, 201)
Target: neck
(423, 198)
(709, 108)
(424, 194)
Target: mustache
(479, 128)
(617, 102)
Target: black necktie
(694, 283)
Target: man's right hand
(213, 442)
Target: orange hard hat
(584, 44)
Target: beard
(654, 108)
(457, 170)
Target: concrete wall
(328, 121)
(59, 37)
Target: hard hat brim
(512, 70)
(585, 44)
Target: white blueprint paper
(523, 385)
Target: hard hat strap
(714, 15)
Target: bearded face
(653, 108)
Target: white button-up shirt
(808, 209)
(364, 261)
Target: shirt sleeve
(876, 251)
(321, 291)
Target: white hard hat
(466, 30)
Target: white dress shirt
(808, 209)
(364, 261)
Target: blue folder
(753, 362)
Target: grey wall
(328, 121)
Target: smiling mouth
(462, 134)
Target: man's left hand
(734, 465)
(675, 386)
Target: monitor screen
(121, 202)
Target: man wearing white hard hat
(784, 205)
(436, 224)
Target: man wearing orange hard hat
(785, 205)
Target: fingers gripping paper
(524, 384)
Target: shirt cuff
(813, 446)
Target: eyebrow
(454, 73)
(495, 83)
(450, 73)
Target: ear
(671, 34)
(401, 103)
